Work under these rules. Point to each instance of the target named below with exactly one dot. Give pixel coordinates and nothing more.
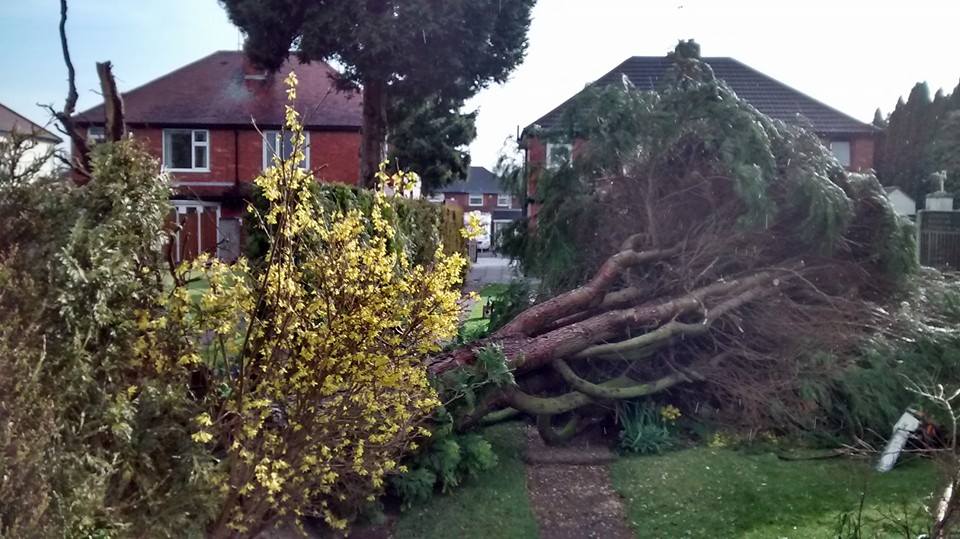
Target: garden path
(570, 490)
(489, 269)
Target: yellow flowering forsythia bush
(311, 373)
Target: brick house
(851, 140)
(482, 192)
(202, 120)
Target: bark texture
(374, 129)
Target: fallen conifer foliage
(692, 240)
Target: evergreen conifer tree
(417, 50)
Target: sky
(855, 55)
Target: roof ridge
(855, 125)
(585, 86)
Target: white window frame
(504, 200)
(96, 134)
(551, 149)
(849, 151)
(268, 156)
(194, 144)
(470, 201)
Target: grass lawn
(713, 493)
(492, 505)
(475, 319)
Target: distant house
(482, 192)
(202, 121)
(851, 140)
(41, 142)
(902, 202)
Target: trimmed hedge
(422, 226)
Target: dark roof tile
(215, 91)
(479, 180)
(767, 94)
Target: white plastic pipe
(906, 425)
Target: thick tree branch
(624, 387)
(529, 353)
(674, 328)
(586, 392)
(557, 435)
(538, 316)
(663, 333)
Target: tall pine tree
(436, 52)
(879, 120)
(922, 136)
(904, 160)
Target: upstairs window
(503, 200)
(186, 150)
(475, 200)
(558, 155)
(96, 134)
(280, 143)
(841, 150)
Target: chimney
(251, 71)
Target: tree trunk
(374, 130)
(112, 102)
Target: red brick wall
(238, 155)
(861, 152)
(334, 156)
(489, 202)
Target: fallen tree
(693, 240)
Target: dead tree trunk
(80, 154)
(113, 104)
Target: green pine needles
(692, 159)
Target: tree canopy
(919, 140)
(422, 52)
(691, 240)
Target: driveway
(489, 269)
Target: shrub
(421, 227)
(514, 299)
(82, 266)
(311, 380)
(445, 463)
(131, 405)
(643, 428)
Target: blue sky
(854, 55)
(143, 38)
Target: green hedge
(422, 226)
